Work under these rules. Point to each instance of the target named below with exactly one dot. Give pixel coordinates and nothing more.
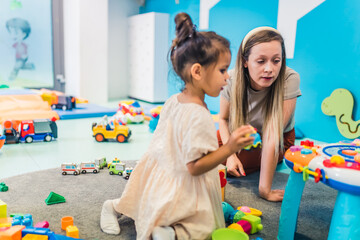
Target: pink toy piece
(296, 148)
(245, 209)
(246, 226)
(43, 224)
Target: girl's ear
(245, 64)
(195, 71)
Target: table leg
(345, 221)
(290, 206)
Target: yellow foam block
(72, 231)
(3, 207)
(35, 237)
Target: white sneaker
(109, 219)
(163, 233)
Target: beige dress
(161, 191)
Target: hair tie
(193, 31)
(254, 31)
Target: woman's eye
(277, 60)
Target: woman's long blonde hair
(239, 103)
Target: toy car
(117, 168)
(89, 167)
(69, 168)
(103, 131)
(101, 162)
(131, 110)
(127, 172)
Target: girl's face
(216, 76)
(264, 64)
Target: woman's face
(264, 64)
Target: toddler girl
(174, 191)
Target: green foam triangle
(54, 198)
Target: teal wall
(327, 50)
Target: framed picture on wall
(26, 44)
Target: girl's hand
(240, 138)
(234, 166)
(276, 195)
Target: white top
(161, 191)
(257, 98)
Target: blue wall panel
(326, 54)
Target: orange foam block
(13, 233)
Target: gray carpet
(85, 194)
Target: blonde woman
(261, 92)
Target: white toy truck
(69, 168)
(89, 167)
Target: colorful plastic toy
(101, 162)
(103, 131)
(155, 115)
(54, 198)
(59, 101)
(228, 234)
(72, 231)
(69, 168)
(43, 224)
(117, 168)
(67, 221)
(131, 110)
(3, 187)
(30, 130)
(89, 167)
(257, 141)
(333, 165)
(114, 161)
(38, 130)
(25, 220)
(2, 140)
(240, 221)
(3, 209)
(127, 172)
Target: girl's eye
(223, 71)
(260, 61)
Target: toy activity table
(336, 165)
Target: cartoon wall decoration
(26, 44)
(19, 29)
(340, 104)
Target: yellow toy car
(104, 131)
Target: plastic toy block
(66, 221)
(39, 231)
(25, 220)
(5, 220)
(61, 237)
(3, 207)
(35, 237)
(255, 222)
(43, 224)
(54, 198)
(2, 229)
(72, 231)
(16, 214)
(5, 224)
(3, 187)
(13, 233)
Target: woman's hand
(275, 195)
(234, 166)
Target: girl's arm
(236, 141)
(233, 164)
(269, 162)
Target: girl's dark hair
(19, 23)
(191, 46)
